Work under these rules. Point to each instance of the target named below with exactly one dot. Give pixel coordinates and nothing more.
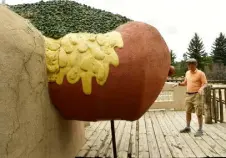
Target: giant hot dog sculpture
(117, 75)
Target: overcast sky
(177, 20)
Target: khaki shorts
(194, 103)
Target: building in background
(216, 72)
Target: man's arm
(204, 82)
(184, 83)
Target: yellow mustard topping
(82, 56)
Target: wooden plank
(217, 99)
(221, 106)
(187, 137)
(137, 139)
(95, 135)
(212, 110)
(221, 127)
(81, 153)
(217, 110)
(120, 133)
(142, 126)
(133, 142)
(118, 137)
(214, 141)
(105, 146)
(209, 81)
(181, 144)
(173, 146)
(92, 139)
(214, 106)
(225, 97)
(218, 129)
(124, 145)
(99, 141)
(143, 154)
(201, 141)
(152, 142)
(207, 105)
(143, 144)
(163, 147)
(217, 142)
(89, 131)
(217, 88)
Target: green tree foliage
(181, 66)
(57, 18)
(208, 60)
(180, 69)
(196, 50)
(173, 57)
(219, 49)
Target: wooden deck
(155, 135)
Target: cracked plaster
(30, 127)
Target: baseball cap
(191, 60)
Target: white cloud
(177, 20)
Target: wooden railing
(214, 101)
(209, 81)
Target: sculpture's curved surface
(133, 83)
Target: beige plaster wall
(30, 127)
(178, 100)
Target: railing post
(221, 106)
(207, 105)
(225, 97)
(217, 108)
(214, 106)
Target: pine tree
(183, 64)
(196, 50)
(173, 57)
(219, 49)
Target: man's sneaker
(198, 133)
(185, 130)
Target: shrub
(58, 18)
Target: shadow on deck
(155, 135)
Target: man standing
(195, 81)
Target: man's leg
(188, 118)
(188, 121)
(199, 113)
(200, 121)
(189, 108)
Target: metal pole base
(113, 139)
